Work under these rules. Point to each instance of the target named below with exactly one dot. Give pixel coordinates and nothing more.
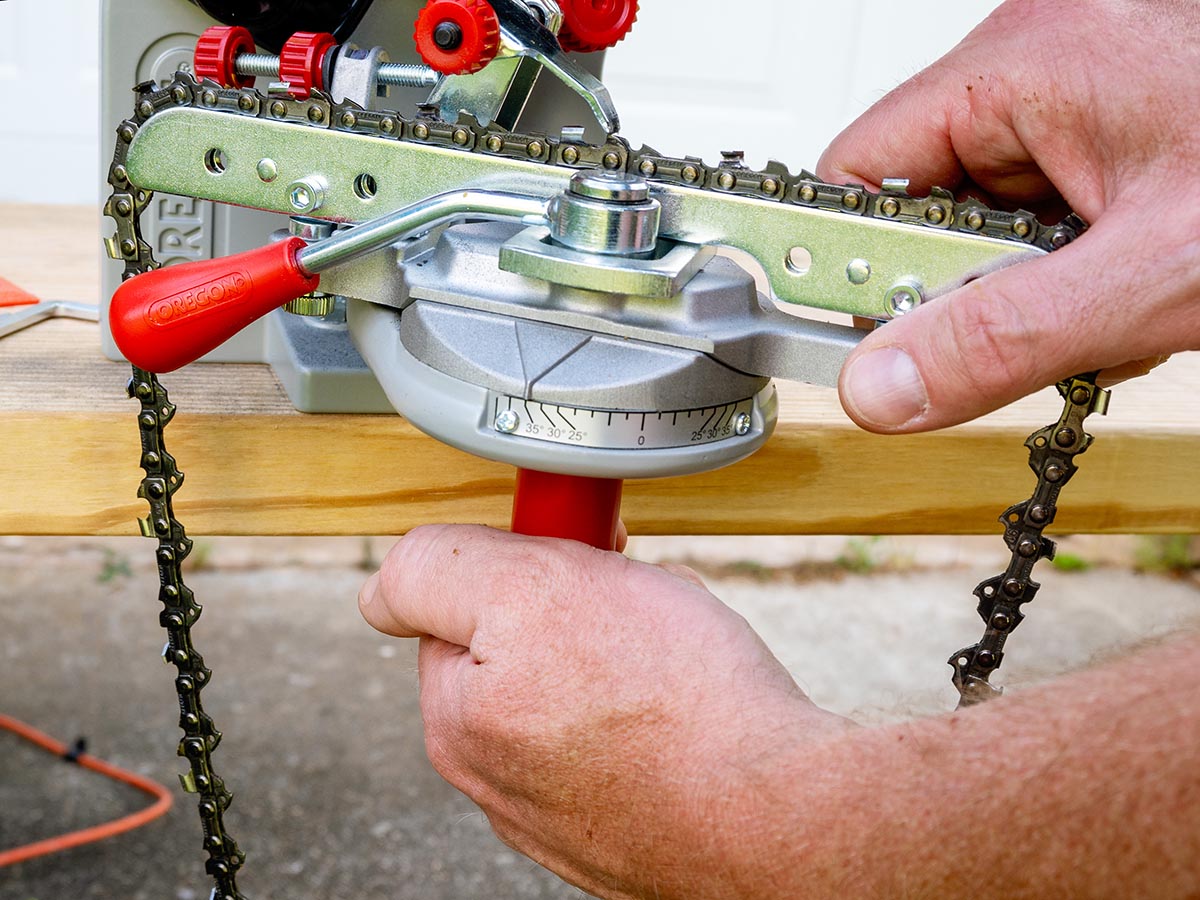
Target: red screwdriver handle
(170, 317)
(567, 506)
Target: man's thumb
(999, 338)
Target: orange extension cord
(161, 803)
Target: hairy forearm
(1086, 786)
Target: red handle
(567, 506)
(169, 317)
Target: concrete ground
(323, 746)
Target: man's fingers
(904, 135)
(1010, 333)
(424, 585)
(1135, 369)
(441, 580)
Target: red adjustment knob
(302, 62)
(590, 25)
(167, 318)
(217, 52)
(457, 37)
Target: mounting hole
(214, 161)
(365, 187)
(798, 261)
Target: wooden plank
(255, 466)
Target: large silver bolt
(507, 421)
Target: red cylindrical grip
(169, 317)
(567, 506)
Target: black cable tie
(77, 750)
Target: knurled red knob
(590, 25)
(172, 316)
(302, 61)
(457, 37)
(217, 51)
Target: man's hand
(1046, 105)
(615, 721)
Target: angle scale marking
(619, 429)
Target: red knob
(567, 506)
(169, 317)
(302, 62)
(216, 55)
(457, 37)
(590, 25)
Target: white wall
(771, 77)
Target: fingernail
(368, 591)
(884, 388)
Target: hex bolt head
(507, 421)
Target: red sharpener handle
(567, 506)
(170, 317)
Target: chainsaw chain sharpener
(580, 309)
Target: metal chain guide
(1052, 449)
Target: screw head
(124, 207)
(904, 298)
(742, 424)
(267, 170)
(245, 103)
(306, 195)
(507, 421)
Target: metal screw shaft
(264, 65)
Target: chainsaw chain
(180, 609)
(1000, 598)
(1052, 452)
